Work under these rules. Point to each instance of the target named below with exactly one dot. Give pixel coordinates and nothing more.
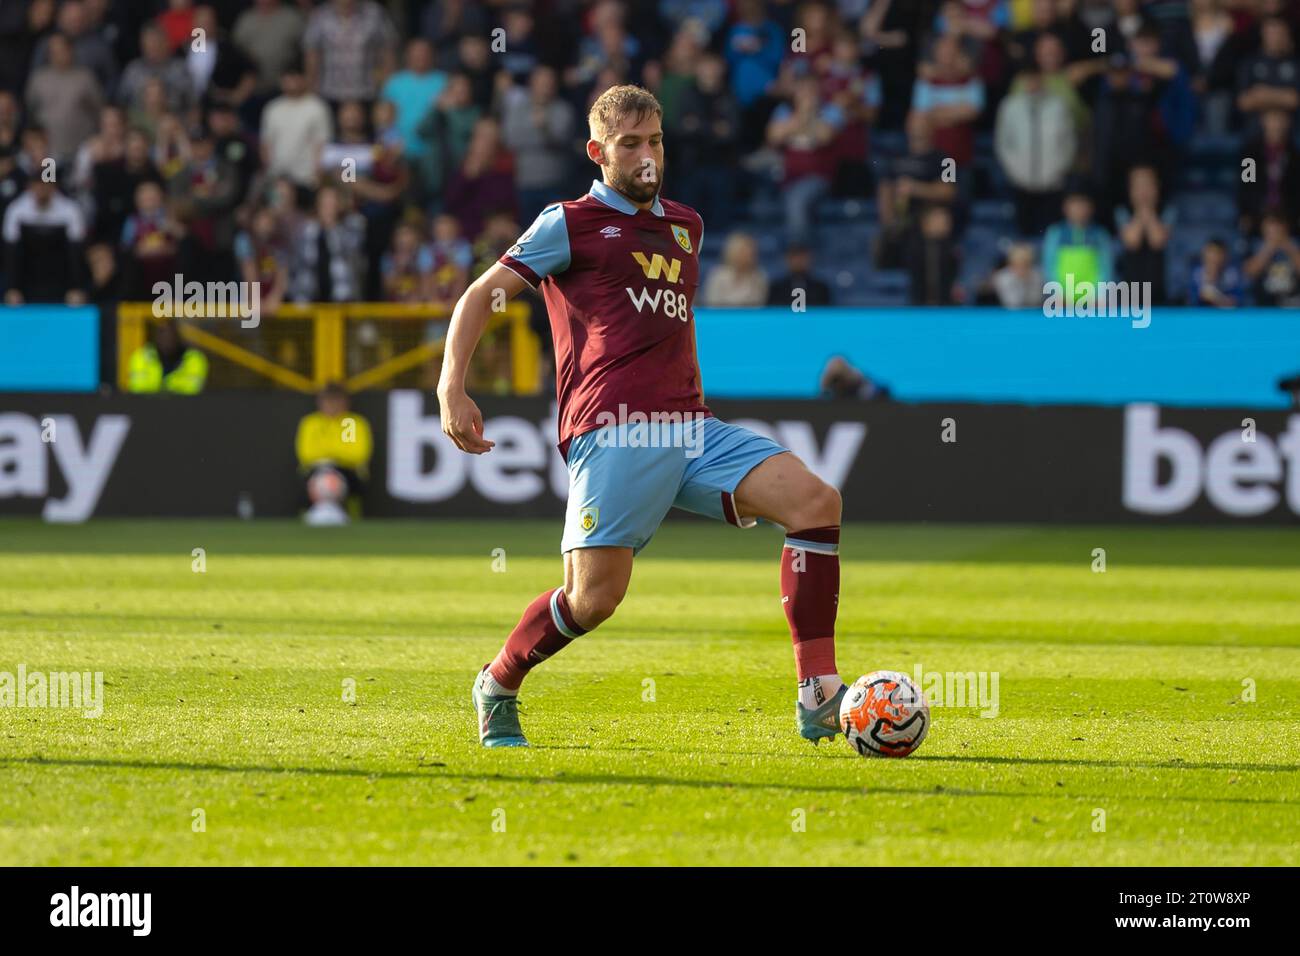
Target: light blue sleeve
(1051, 248)
(872, 95)
(543, 249)
(922, 96)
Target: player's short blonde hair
(616, 104)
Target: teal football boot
(498, 717)
(820, 722)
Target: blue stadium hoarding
(49, 348)
(1188, 357)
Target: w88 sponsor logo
(665, 301)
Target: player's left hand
(462, 422)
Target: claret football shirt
(619, 284)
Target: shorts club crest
(588, 518)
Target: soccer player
(618, 269)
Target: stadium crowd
(355, 150)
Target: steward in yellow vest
(167, 365)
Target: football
(884, 714)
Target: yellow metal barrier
(330, 323)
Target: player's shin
(546, 627)
(810, 585)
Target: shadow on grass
(643, 780)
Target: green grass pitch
(1160, 698)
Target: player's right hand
(462, 422)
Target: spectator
(65, 98)
(445, 22)
(841, 380)
(1274, 268)
(1144, 233)
(1139, 116)
(219, 71)
(754, 47)
(155, 63)
(205, 191)
(378, 188)
(263, 258)
(950, 96)
(35, 159)
(108, 143)
(856, 91)
(407, 267)
(891, 31)
(1275, 183)
(412, 90)
(1270, 80)
(607, 47)
(177, 23)
(43, 234)
(738, 281)
(349, 47)
(333, 440)
(671, 79)
(326, 261)
(1036, 146)
(113, 180)
(233, 145)
(917, 178)
(104, 287)
(498, 235)
(705, 143)
(933, 260)
(295, 127)
(1214, 55)
(1215, 280)
(152, 113)
(452, 259)
(282, 196)
(706, 16)
(802, 131)
(537, 124)
(474, 60)
(90, 49)
(519, 59)
(445, 132)
(166, 364)
(1078, 250)
(1019, 283)
(270, 33)
(151, 238)
(12, 183)
(11, 124)
(484, 184)
(105, 290)
(1063, 78)
(799, 287)
(812, 55)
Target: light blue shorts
(624, 478)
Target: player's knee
(820, 507)
(593, 605)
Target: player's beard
(631, 184)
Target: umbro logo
(609, 232)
